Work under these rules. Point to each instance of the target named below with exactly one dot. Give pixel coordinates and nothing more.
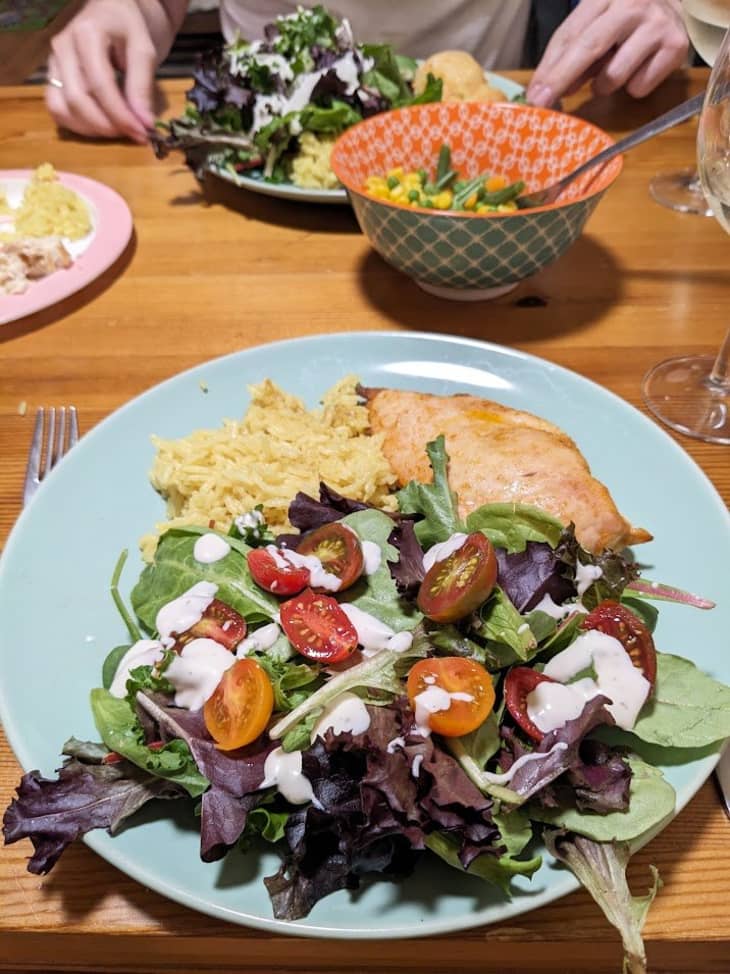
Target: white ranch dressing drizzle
(395, 744)
(553, 610)
(183, 612)
(616, 678)
(284, 770)
(346, 712)
(374, 635)
(442, 550)
(434, 699)
(416, 766)
(249, 520)
(585, 576)
(260, 640)
(197, 670)
(145, 652)
(210, 548)
(504, 779)
(372, 556)
(318, 576)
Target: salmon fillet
(499, 454)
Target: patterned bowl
(472, 256)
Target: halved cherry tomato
(219, 622)
(455, 675)
(339, 550)
(616, 620)
(241, 705)
(518, 684)
(460, 583)
(317, 627)
(281, 579)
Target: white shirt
(493, 31)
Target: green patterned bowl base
(467, 294)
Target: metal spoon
(681, 113)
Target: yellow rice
(50, 209)
(277, 449)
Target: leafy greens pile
(251, 102)
(586, 789)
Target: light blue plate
(58, 621)
(300, 194)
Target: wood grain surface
(212, 270)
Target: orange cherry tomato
(616, 620)
(317, 627)
(518, 685)
(241, 705)
(466, 679)
(459, 584)
(339, 550)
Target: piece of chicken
(461, 75)
(499, 454)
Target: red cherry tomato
(240, 706)
(455, 674)
(339, 550)
(219, 622)
(281, 579)
(317, 627)
(460, 583)
(616, 620)
(518, 684)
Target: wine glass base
(680, 394)
(680, 191)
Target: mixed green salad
(251, 102)
(377, 688)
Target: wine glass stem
(720, 374)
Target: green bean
(444, 162)
(500, 196)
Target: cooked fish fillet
(499, 454)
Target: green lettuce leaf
(687, 709)
(511, 526)
(175, 570)
(651, 802)
(436, 501)
(121, 731)
(501, 625)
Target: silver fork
(56, 431)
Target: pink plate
(112, 228)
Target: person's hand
(83, 94)
(616, 43)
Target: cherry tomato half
(317, 627)
(219, 622)
(240, 706)
(455, 675)
(281, 578)
(339, 550)
(518, 684)
(459, 584)
(616, 620)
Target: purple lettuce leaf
(527, 576)
(235, 776)
(408, 572)
(558, 751)
(307, 513)
(85, 796)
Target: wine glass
(706, 22)
(691, 394)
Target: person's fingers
(641, 46)
(57, 107)
(82, 114)
(654, 70)
(139, 62)
(93, 54)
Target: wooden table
(210, 274)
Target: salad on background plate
(264, 114)
(377, 688)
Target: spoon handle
(680, 113)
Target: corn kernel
(471, 202)
(443, 200)
(396, 173)
(397, 192)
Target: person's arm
(107, 36)
(619, 44)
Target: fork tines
(56, 431)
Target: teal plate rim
(102, 492)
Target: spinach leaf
(436, 501)
(651, 801)
(385, 74)
(377, 593)
(121, 731)
(511, 526)
(111, 664)
(687, 709)
(289, 680)
(175, 570)
(501, 625)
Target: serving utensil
(689, 108)
(55, 432)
